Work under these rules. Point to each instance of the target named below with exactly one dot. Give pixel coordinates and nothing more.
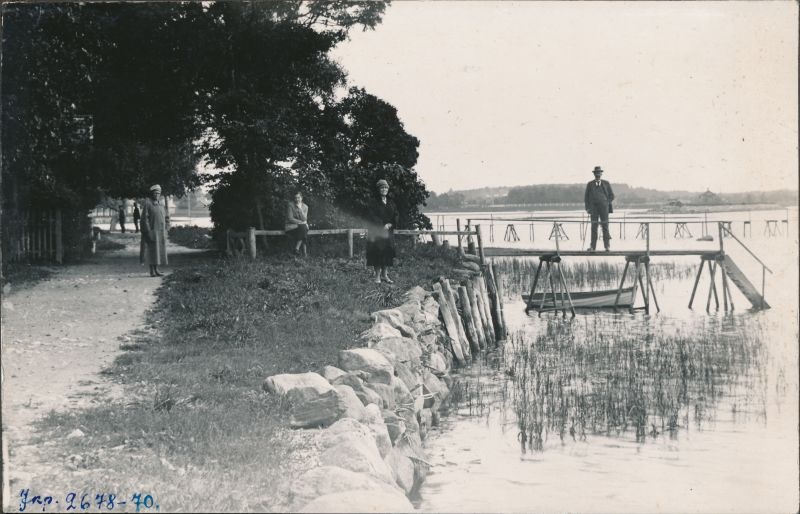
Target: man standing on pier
(598, 200)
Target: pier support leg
(653, 290)
(566, 290)
(712, 288)
(621, 284)
(645, 292)
(696, 281)
(533, 289)
(635, 286)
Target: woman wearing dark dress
(380, 245)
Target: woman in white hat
(380, 244)
(154, 232)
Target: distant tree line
(572, 195)
(105, 99)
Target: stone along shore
(375, 409)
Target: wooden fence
(238, 242)
(35, 236)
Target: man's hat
(382, 182)
(155, 188)
(597, 169)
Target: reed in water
(517, 273)
(573, 380)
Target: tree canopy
(108, 98)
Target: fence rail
(239, 241)
(35, 236)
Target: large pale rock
(331, 373)
(325, 480)
(431, 309)
(400, 349)
(282, 384)
(406, 405)
(395, 319)
(410, 309)
(411, 446)
(353, 406)
(403, 469)
(369, 360)
(312, 401)
(392, 317)
(368, 428)
(386, 393)
(394, 424)
(366, 394)
(380, 432)
(377, 332)
(410, 377)
(435, 387)
(360, 501)
(402, 395)
(416, 293)
(357, 452)
(429, 341)
(425, 422)
(438, 362)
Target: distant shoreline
(685, 209)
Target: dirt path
(57, 337)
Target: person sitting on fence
(297, 222)
(154, 232)
(380, 245)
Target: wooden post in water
(451, 301)
(59, 238)
(480, 245)
(495, 304)
(476, 314)
(466, 308)
(350, 243)
(458, 229)
(251, 241)
(487, 307)
(449, 323)
(486, 317)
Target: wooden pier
(560, 295)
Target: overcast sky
(679, 95)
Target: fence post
(59, 239)
(480, 245)
(350, 242)
(251, 240)
(458, 228)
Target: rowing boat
(585, 299)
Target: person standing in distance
(136, 216)
(121, 209)
(154, 232)
(598, 200)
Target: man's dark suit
(598, 200)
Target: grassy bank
(195, 430)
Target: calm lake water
(680, 410)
